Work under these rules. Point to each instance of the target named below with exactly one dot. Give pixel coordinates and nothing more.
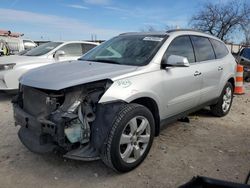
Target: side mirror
(58, 54)
(176, 61)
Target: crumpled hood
(19, 59)
(71, 73)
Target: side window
(219, 48)
(181, 46)
(74, 49)
(87, 47)
(246, 53)
(203, 48)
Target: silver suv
(112, 102)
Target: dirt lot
(208, 146)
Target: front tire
(130, 138)
(223, 106)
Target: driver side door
(181, 85)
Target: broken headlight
(80, 112)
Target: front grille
(36, 102)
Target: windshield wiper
(101, 61)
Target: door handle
(197, 73)
(220, 68)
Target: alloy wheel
(134, 139)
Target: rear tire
(130, 138)
(223, 106)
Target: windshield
(42, 49)
(135, 50)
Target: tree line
(221, 19)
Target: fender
(130, 89)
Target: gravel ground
(207, 146)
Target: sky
(102, 19)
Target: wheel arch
(232, 81)
(153, 107)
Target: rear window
(203, 48)
(219, 48)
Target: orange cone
(239, 88)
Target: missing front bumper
(36, 143)
(40, 140)
(35, 136)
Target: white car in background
(13, 67)
(13, 45)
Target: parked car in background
(111, 103)
(13, 45)
(244, 59)
(13, 67)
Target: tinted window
(87, 47)
(43, 49)
(246, 53)
(134, 50)
(219, 48)
(202, 48)
(74, 49)
(181, 46)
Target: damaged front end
(70, 120)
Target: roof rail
(174, 30)
(128, 33)
(146, 32)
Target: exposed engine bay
(70, 120)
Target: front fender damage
(99, 129)
(71, 120)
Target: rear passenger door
(181, 84)
(211, 68)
